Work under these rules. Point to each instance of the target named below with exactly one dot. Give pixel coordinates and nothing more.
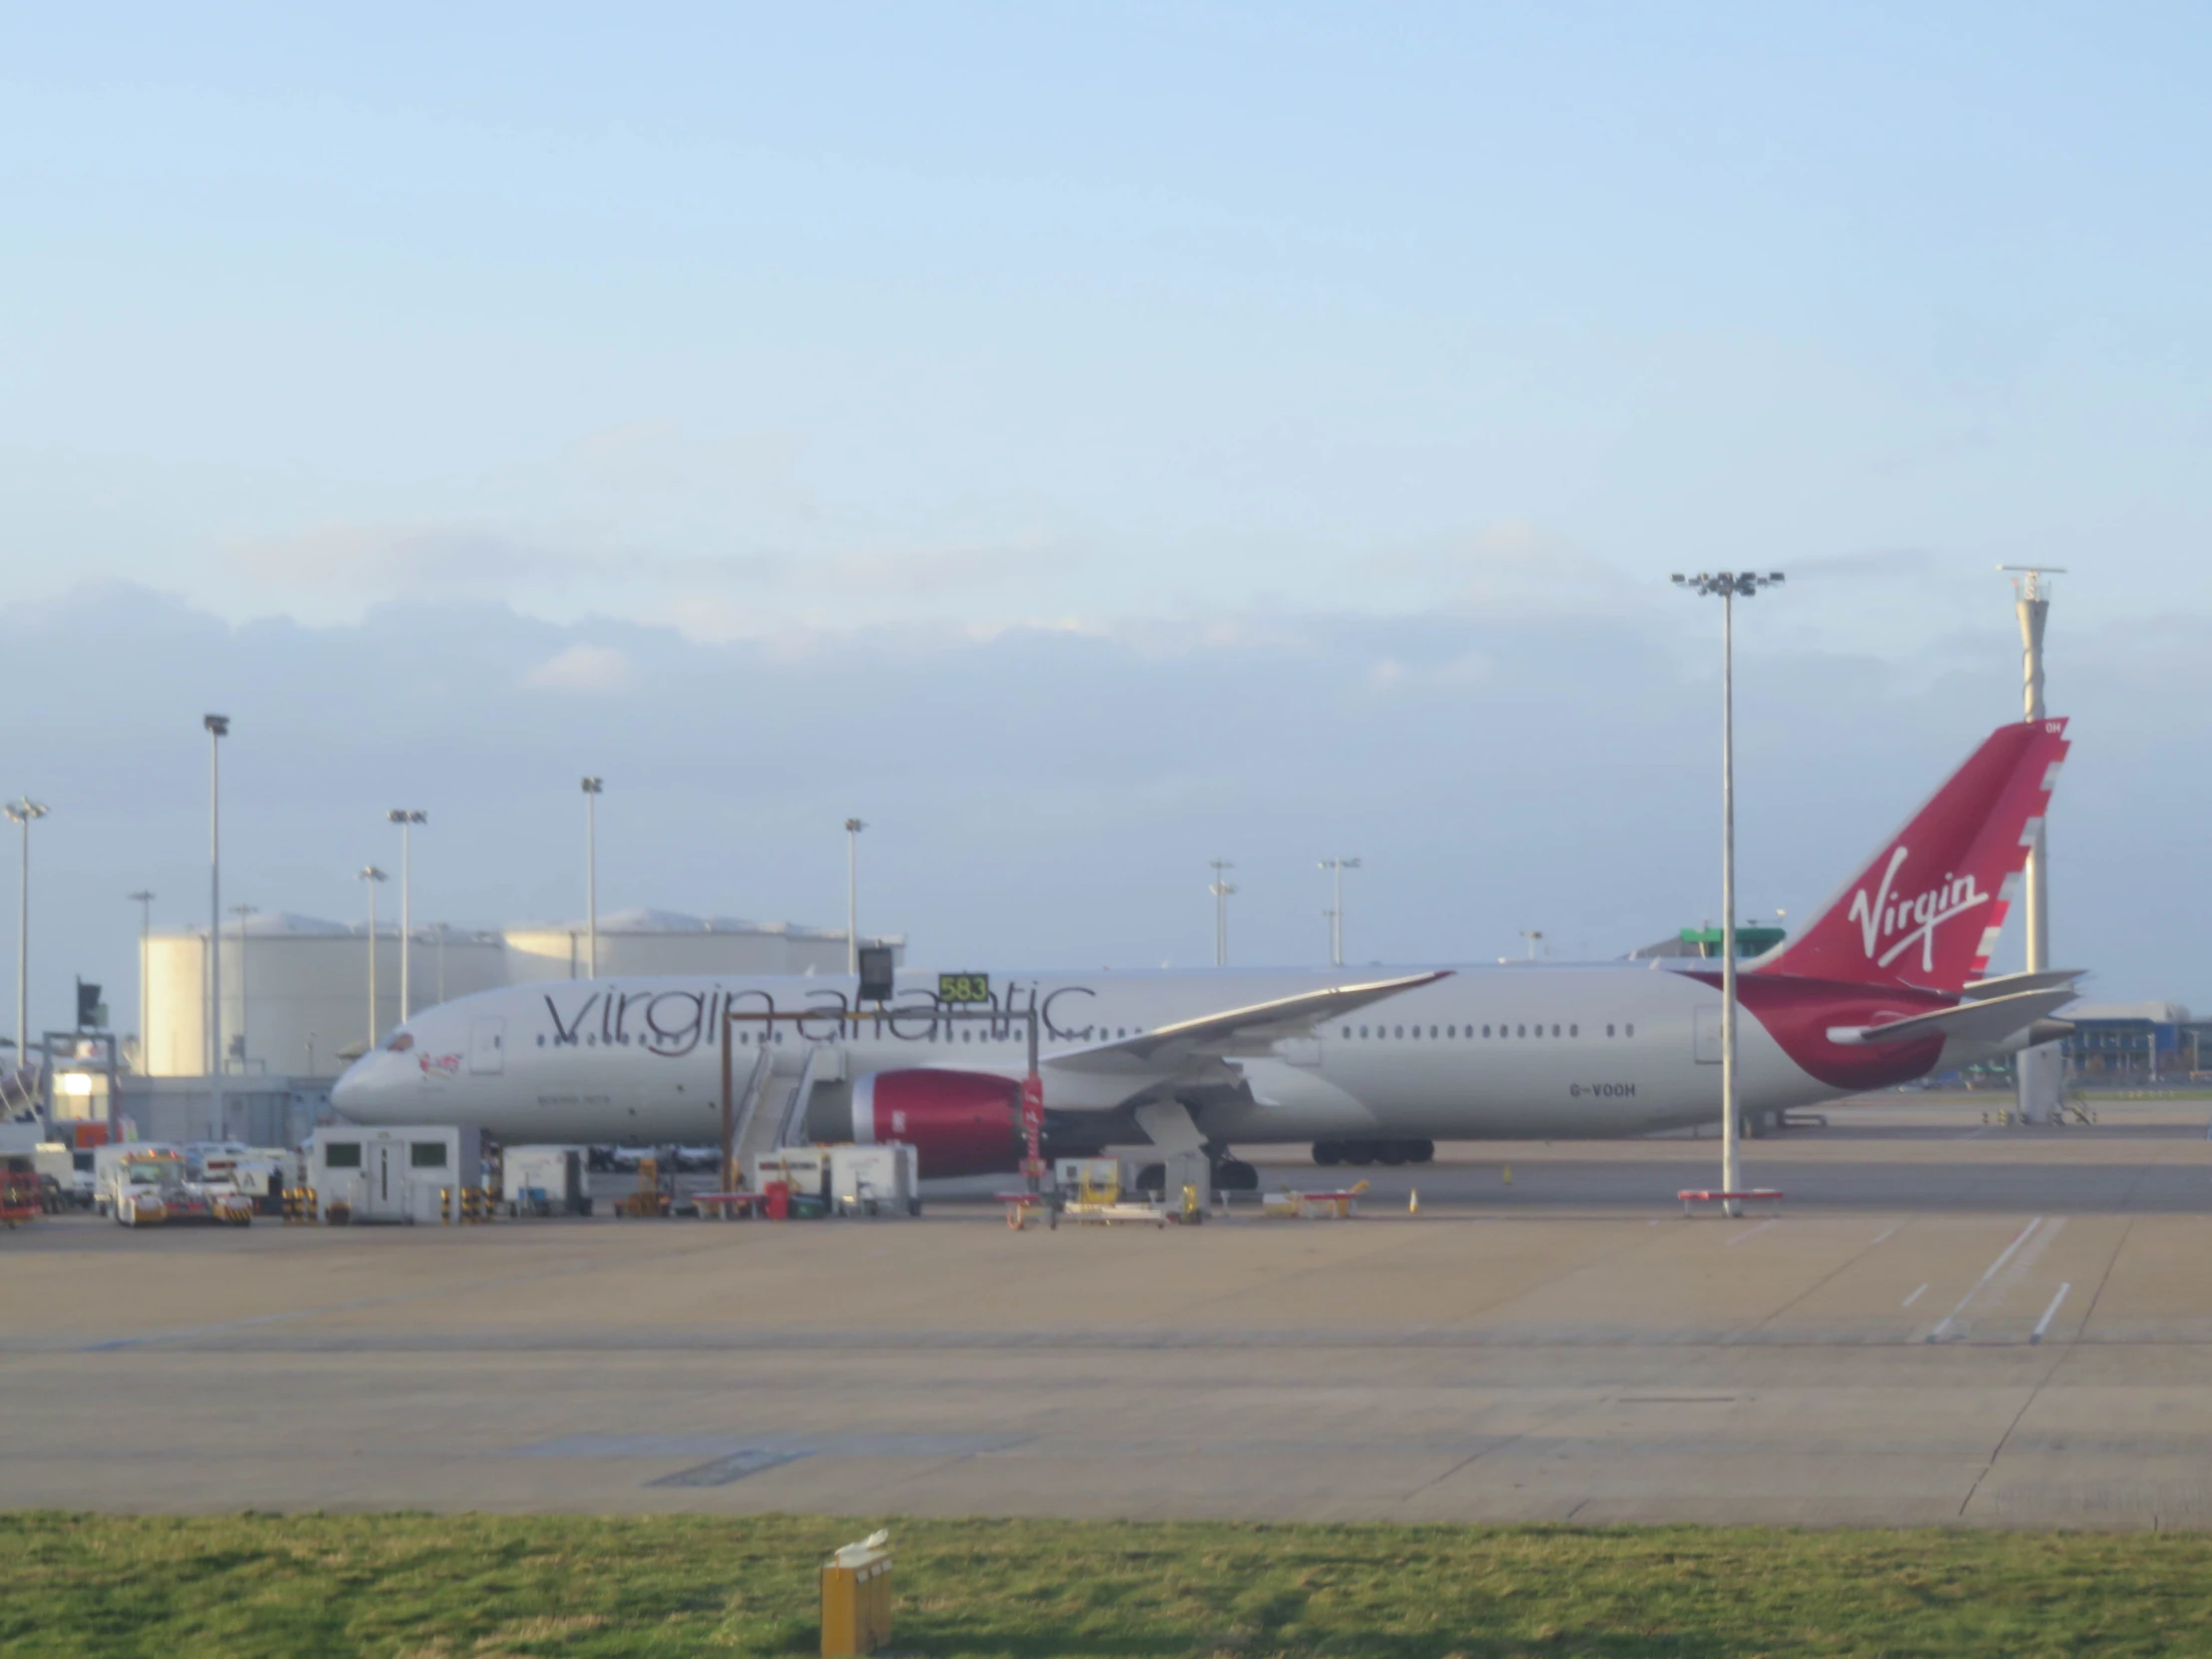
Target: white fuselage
(1486, 1051)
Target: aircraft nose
(363, 1087)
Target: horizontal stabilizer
(2011, 984)
(1988, 1021)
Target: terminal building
(2119, 1043)
(298, 1009)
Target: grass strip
(254, 1585)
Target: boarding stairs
(771, 1108)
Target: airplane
(1886, 985)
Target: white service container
(881, 1180)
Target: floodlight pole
(853, 829)
(372, 876)
(1337, 868)
(144, 899)
(219, 728)
(592, 788)
(1220, 889)
(406, 819)
(23, 814)
(1727, 585)
(1535, 936)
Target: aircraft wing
(1989, 1021)
(1232, 1033)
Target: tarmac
(1951, 1322)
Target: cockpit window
(402, 1043)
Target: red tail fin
(1926, 911)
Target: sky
(1088, 441)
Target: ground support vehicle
(150, 1189)
(19, 1189)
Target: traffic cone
(1508, 1175)
(1412, 1202)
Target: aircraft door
(487, 1046)
(1705, 1036)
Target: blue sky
(1226, 388)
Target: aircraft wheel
(1392, 1153)
(1233, 1175)
(1326, 1152)
(1359, 1152)
(1420, 1152)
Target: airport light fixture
(1728, 586)
(853, 829)
(1220, 889)
(217, 727)
(144, 899)
(1335, 914)
(592, 788)
(23, 814)
(372, 876)
(406, 818)
(1535, 937)
(242, 911)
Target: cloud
(707, 594)
(582, 667)
(657, 458)
(381, 560)
(1512, 570)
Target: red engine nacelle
(958, 1122)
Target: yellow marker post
(1508, 1175)
(857, 1598)
(1412, 1202)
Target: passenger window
(1451, 1030)
(1431, 1030)
(1574, 1030)
(1348, 1030)
(1520, 1030)
(1631, 1030)
(1555, 1031)
(1401, 1030)
(1485, 1030)
(1417, 1032)
(1608, 1030)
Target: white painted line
(1970, 1135)
(1761, 1228)
(1915, 1296)
(2042, 1325)
(1994, 1269)
(1884, 1234)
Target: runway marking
(1884, 1234)
(1975, 1134)
(1992, 1271)
(2042, 1325)
(1761, 1228)
(1915, 1296)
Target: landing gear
(1374, 1152)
